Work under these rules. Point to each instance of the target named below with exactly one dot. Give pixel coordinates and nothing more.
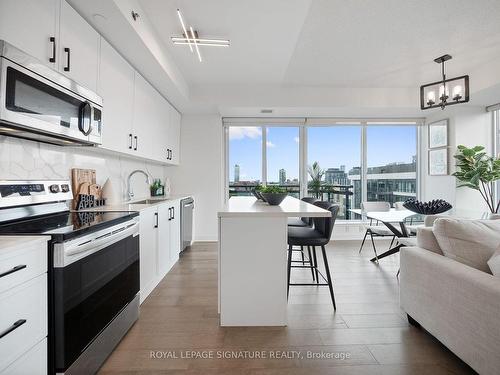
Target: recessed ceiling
(338, 43)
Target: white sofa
(457, 303)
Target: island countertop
(290, 207)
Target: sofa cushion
(427, 240)
(471, 242)
(494, 263)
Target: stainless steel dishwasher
(187, 207)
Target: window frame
(304, 124)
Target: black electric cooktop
(66, 225)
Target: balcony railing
(340, 194)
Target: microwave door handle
(52, 40)
(68, 61)
(103, 241)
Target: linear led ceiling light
(190, 37)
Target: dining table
(395, 220)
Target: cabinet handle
(15, 269)
(130, 141)
(53, 41)
(169, 213)
(14, 326)
(135, 139)
(68, 59)
(173, 213)
(156, 219)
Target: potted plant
(316, 174)
(478, 171)
(273, 194)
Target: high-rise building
(282, 176)
(336, 176)
(236, 173)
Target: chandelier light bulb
(457, 92)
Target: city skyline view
(331, 147)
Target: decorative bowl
(274, 199)
(434, 207)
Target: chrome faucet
(130, 193)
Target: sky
(330, 146)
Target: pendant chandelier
(437, 94)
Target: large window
(391, 175)
(282, 153)
(333, 165)
(342, 162)
(245, 159)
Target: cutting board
(81, 177)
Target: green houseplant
(273, 194)
(316, 174)
(479, 171)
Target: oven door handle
(102, 241)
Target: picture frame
(438, 134)
(438, 162)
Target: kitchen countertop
(290, 207)
(13, 243)
(132, 206)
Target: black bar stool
(318, 235)
(303, 222)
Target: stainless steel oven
(39, 103)
(96, 295)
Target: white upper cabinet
(116, 87)
(29, 25)
(174, 135)
(79, 48)
(145, 117)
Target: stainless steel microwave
(39, 103)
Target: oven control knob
(54, 188)
(64, 188)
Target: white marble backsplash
(28, 160)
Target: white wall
(200, 171)
(22, 159)
(469, 126)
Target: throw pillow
(471, 242)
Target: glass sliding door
(245, 159)
(391, 174)
(334, 165)
(282, 154)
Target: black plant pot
(274, 199)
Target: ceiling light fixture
(190, 37)
(184, 29)
(437, 94)
(195, 44)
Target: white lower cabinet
(33, 362)
(23, 306)
(159, 243)
(148, 250)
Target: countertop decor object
(434, 207)
(273, 195)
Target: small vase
(493, 216)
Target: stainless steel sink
(149, 201)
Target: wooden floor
(367, 335)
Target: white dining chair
(376, 230)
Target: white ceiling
(330, 43)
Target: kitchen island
(253, 259)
